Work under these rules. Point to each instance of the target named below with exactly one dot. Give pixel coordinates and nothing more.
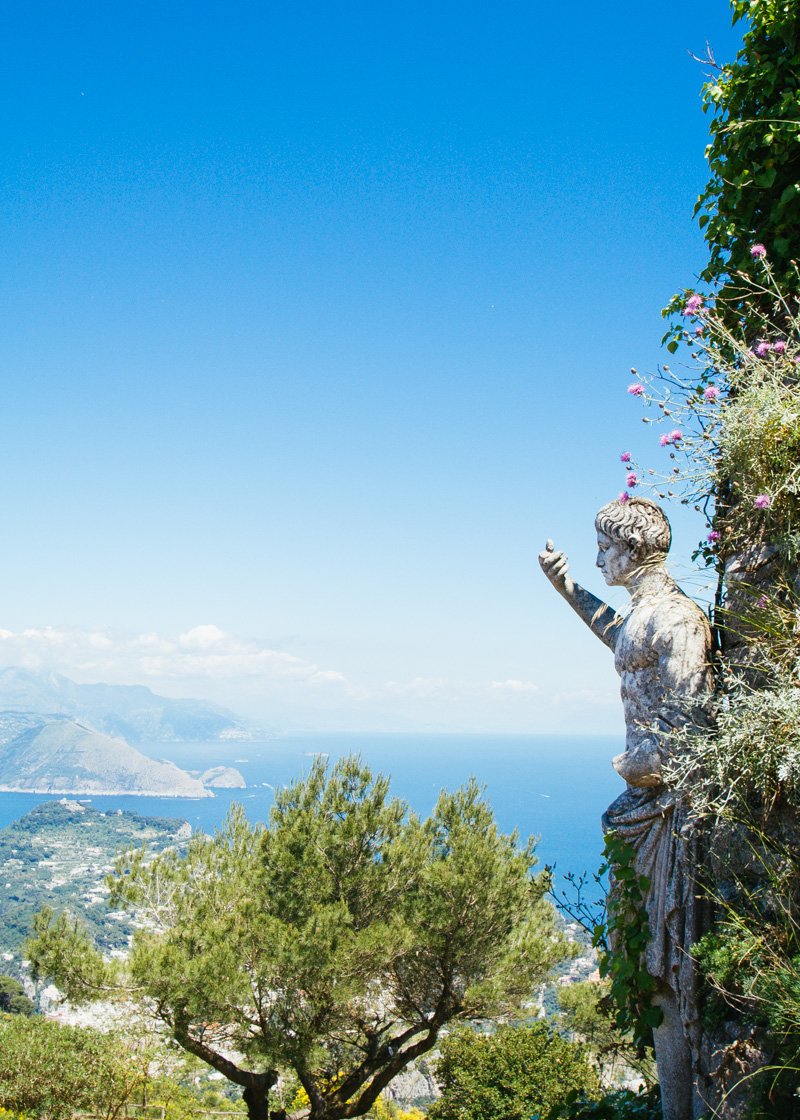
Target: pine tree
(336, 943)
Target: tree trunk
(257, 1101)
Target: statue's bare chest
(635, 649)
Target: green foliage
(587, 1017)
(51, 1071)
(622, 941)
(747, 764)
(750, 964)
(388, 1110)
(336, 942)
(509, 1075)
(581, 1013)
(181, 1099)
(56, 856)
(741, 778)
(753, 194)
(13, 1000)
(621, 1105)
(736, 409)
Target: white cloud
(586, 697)
(204, 652)
(323, 675)
(251, 676)
(432, 687)
(513, 687)
(439, 688)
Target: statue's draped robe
(653, 822)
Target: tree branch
(246, 1078)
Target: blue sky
(317, 321)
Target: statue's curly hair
(638, 523)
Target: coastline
(91, 791)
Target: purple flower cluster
(637, 389)
(625, 457)
(779, 347)
(623, 497)
(758, 251)
(713, 536)
(762, 501)
(711, 393)
(632, 479)
(763, 348)
(672, 438)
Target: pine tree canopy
(336, 942)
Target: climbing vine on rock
(622, 940)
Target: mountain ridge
(130, 712)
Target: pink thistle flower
(632, 479)
(763, 349)
(636, 389)
(762, 501)
(623, 497)
(625, 457)
(758, 251)
(698, 331)
(763, 601)
(664, 441)
(694, 303)
(711, 393)
(675, 436)
(779, 347)
(713, 536)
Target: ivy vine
(622, 939)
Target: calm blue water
(551, 786)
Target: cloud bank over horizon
(273, 684)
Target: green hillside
(58, 855)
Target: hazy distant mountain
(54, 754)
(130, 712)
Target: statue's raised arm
(601, 619)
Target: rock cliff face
(60, 755)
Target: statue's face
(616, 560)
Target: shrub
(511, 1075)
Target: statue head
(630, 535)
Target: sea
(553, 787)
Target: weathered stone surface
(662, 648)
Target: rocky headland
(59, 755)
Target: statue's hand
(555, 567)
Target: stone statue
(662, 648)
